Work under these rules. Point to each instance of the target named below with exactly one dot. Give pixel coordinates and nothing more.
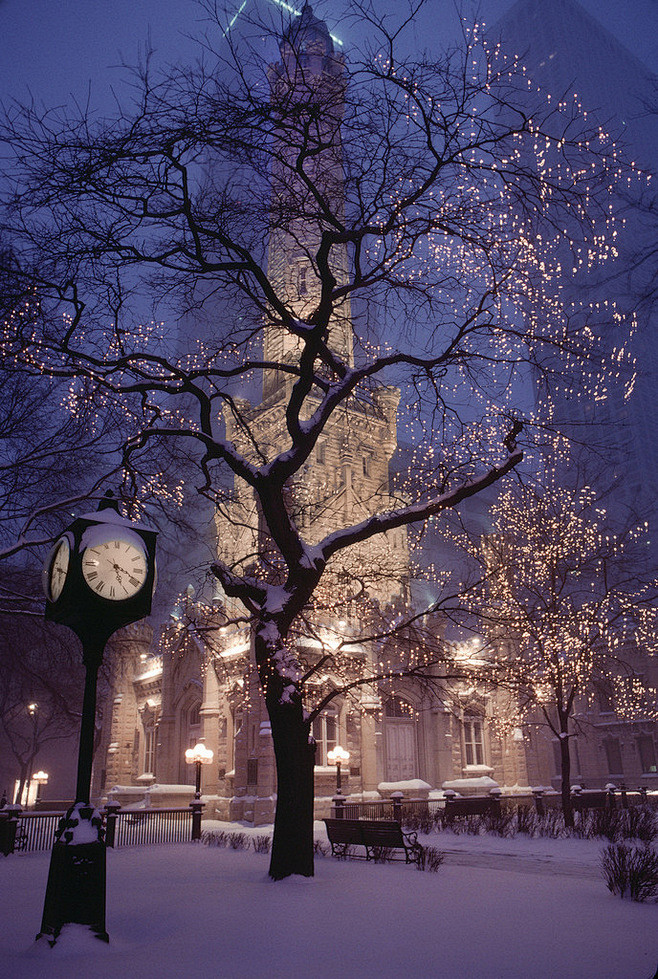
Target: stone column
(210, 712)
(369, 768)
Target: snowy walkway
(569, 858)
(181, 910)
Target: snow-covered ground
(518, 908)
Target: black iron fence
(148, 826)
(23, 832)
(402, 809)
(398, 809)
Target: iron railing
(403, 809)
(391, 809)
(36, 830)
(147, 827)
(25, 832)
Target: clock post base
(75, 892)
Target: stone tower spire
(308, 83)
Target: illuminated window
(150, 734)
(325, 732)
(473, 740)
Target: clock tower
(312, 74)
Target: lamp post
(24, 783)
(99, 577)
(338, 756)
(199, 755)
(41, 778)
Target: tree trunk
(565, 764)
(22, 779)
(292, 844)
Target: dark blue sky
(55, 47)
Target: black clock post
(99, 577)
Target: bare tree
(300, 211)
(55, 449)
(40, 693)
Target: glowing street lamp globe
(199, 755)
(338, 756)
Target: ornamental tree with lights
(298, 213)
(565, 609)
(44, 453)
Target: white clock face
(59, 566)
(115, 569)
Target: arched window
(302, 281)
(193, 723)
(150, 736)
(395, 707)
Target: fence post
(111, 810)
(611, 789)
(7, 832)
(538, 796)
(449, 795)
(624, 795)
(494, 795)
(339, 803)
(196, 806)
(643, 795)
(576, 797)
(397, 798)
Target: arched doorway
(400, 740)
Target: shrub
(501, 824)
(424, 823)
(598, 822)
(641, 823)
(631, 870)
(320, 849)
(636, 823)
(383, 854)
(261, 844)
(238, 841)
(433, 858)
(212, 837)
(551, 824)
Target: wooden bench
(377, 836)
(471, 807)
(600, 799)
